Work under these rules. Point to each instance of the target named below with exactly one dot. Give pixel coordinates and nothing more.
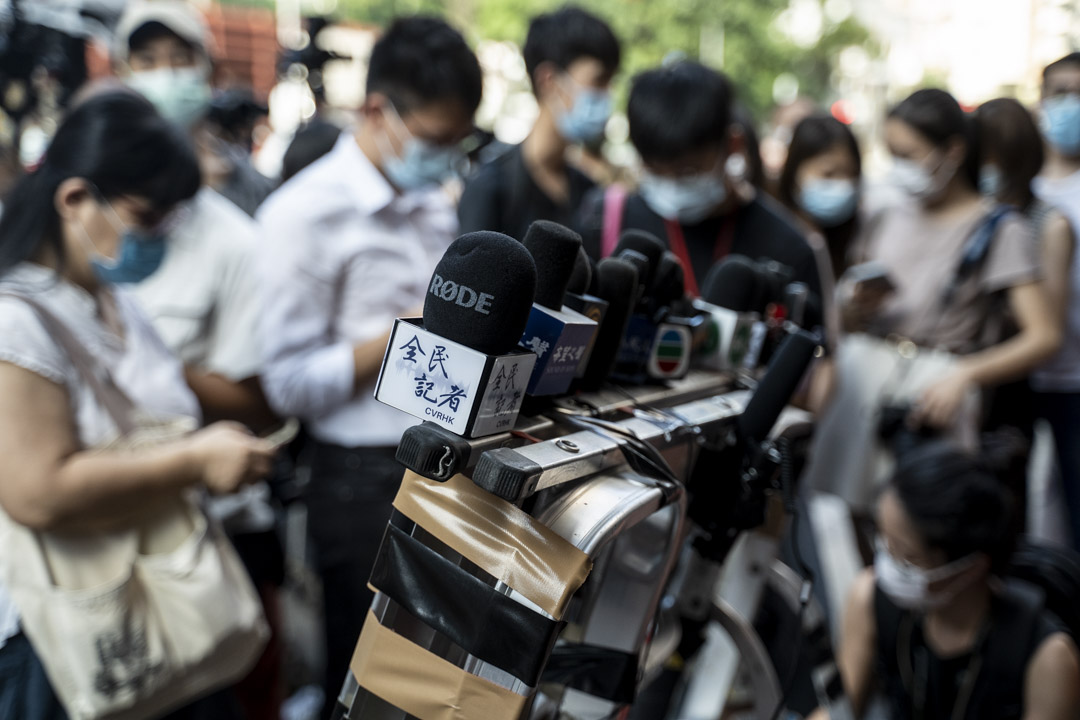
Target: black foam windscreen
(669, 282)
(481, 292)
(777, 385)
(648, 245)
(616, 282)
(734, 283)
(555, 249)
(641, 264)
(582, 276)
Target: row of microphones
(504, 320)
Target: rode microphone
(616, 282)
(588, 304)
(559, 335)
(460, 368)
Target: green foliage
(739, 36)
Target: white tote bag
(130, 623)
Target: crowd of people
(948, 297)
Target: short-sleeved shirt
(204, 299)
(922, 255)
(139, 363)
(503, 196)
(760, 230)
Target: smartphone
(283, 435)
(870, 277)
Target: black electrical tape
(601, 672)
(470, 613)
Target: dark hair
(421, 60)
(118, 142)
(1007, 128)
(813, 136)
(755, 169)
(958, 506)
(310, 143)
(938, 117)
(1072, 58)
(678, 109)
(566, 35)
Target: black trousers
(349, 501)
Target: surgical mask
(908, 586)
(990, 181)
(422, 164)
(1060, 123)
(687, 200)
(139, 255)
(914, 179)
(181, 95)
(586, 118)
(829, 201)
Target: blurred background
(299, 58)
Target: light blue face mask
(421, 164)
(686, 200)
(585, 120)
(990, 181)
(1060, 123)
(829, 201)
(139, 256)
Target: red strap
(677, 242)
(614, 202)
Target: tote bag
(137, 619)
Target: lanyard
(677, 241)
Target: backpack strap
(976, 249)
(614, 204)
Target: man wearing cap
(203, 300)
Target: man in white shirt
(1058, 382)
(350, 244)
(203, 299)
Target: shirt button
(352, 461)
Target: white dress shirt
(139, 363)
(203, 300)
(204, 303)
(344, 254)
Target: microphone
(460, 368)
(645, 252)
(646, 244)
(732, 298)
(557, 334)
(617, 283)
(776, 386)
(669, 357)
(579, 298)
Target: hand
(939, 404)
(227, 456)
(863, 303)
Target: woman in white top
(91, 213)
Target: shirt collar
(370, 189)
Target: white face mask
(687, 200)
(918, 182)
(909, 586)
(181, 95)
